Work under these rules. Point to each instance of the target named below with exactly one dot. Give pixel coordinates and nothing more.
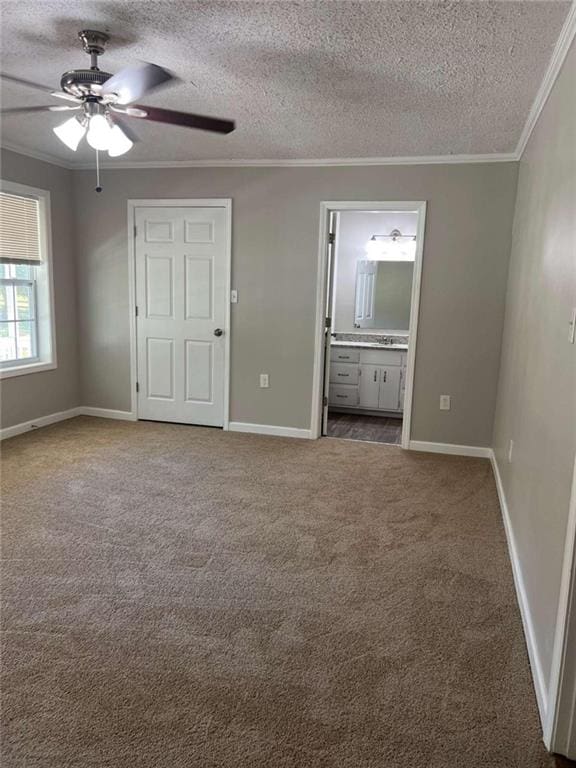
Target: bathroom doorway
(369, 278)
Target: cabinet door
(389, 396)
(369, 386)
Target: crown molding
(44, 156)
(308, 163)
(560, 51)
(499, 157)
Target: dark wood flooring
(378, 429)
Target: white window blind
(19, 230)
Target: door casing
(225, 203)
(326, 209)
(560, 716)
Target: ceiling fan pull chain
(98, 185)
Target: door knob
(218, 332)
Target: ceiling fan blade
(128, 111)
(49, 108)
(66, 96)
(132, 83)
(27, 83)
(185, 119)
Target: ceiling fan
(102, 100)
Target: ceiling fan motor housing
(93, 41)
(79, 82)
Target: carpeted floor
(179, 597)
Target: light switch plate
(572, 326)
(264, 381)
(233, 296)
(444, 402)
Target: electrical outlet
(264, 381)
(510, 449)
(444, 402)
(234, 296)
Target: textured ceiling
(317, 79)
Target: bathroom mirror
(383, 295)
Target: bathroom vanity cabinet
(367, 378)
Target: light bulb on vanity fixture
(392, 247)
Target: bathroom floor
(377, 429)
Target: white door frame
(560, 718)
(177, 203)
(327, 207)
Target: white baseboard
(527, 622)
(52, 418)
(450, 448)
(42, 421)
(267, 429)
(107, 413)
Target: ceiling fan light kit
(101, 99)
(71, 131)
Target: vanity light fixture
(392, 247)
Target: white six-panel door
(181, 299)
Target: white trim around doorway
(177, 203)
(326, 208)
(560, 718)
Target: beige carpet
(178, 597)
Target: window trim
(47, 358)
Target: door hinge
(325, 401)
(137, 387)
(328, 322)
(136, 308)
(331, 238)
(135, 231)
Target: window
(26, 312)
(18, 332)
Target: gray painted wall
(40, 394)
(355, 228)
(537, 390)
(275, 244)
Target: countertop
(368, 345)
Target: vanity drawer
(381, 357)
(343, 394)
(344, 354)
(344, 373)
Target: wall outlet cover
(264, 381)
(444, 402)
(233, 296)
